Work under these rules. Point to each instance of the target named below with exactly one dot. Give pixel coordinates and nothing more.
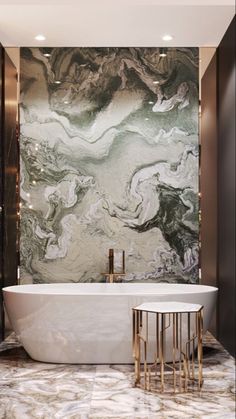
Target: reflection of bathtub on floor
(90, 323)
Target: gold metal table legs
(185, 369)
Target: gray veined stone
(109, 160)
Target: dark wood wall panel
(1, 191)
(10, 173)
(208, 180)
(226, 188)
(9, 177)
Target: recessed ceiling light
(40, 38)
(167, 37)
(156, 82)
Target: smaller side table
(177, 316)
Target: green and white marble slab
(109, 159)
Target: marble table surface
(30, 389)
(169, 307)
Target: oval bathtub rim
(53, 291)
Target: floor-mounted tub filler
(90, 323)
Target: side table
(174, 315)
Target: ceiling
(100, 23)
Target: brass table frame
(183, 361)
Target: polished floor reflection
(30, 389)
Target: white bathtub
(89, 323)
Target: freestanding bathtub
(89, 323)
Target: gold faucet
(111, 274)
(112, 277)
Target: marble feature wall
(109, 159)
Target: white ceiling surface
(101, 23)
(145, 2)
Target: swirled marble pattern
(30, 389)
(109, 159)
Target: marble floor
(30, 389)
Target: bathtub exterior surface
(89, 323)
